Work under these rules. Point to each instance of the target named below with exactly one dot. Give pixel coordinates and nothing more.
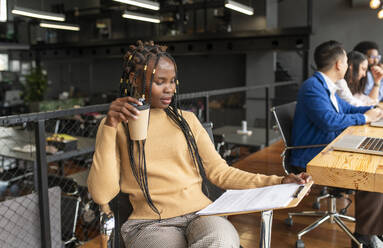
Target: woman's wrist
(110, 123)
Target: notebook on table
(360, 144)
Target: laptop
(360, 144)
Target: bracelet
(107, 223)
(376, 84)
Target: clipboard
(293, 203)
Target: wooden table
(347, 169)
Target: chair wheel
(316, 205)
(299, 244)
(289, 221)
(343, 211)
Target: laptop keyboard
(372, 144)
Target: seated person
(165, 186)
(351, 87)
(373, 88)
(320, 117)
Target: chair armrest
(303, 147)
(107, 226)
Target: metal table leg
(266, 224)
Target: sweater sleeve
(350, 109)
(219, 172)
(104, 175)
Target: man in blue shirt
(373, 86)
(320, 116)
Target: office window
(25, 68)
(14, 65)
(4, 62)
(3, 10)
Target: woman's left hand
(301, 178)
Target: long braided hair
(136, 62)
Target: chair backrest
(284, 117)
(121, 208)
(212, 191)
(69, 214)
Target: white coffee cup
(138, 128)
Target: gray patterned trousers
(188, 230)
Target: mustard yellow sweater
(173, 180)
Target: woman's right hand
(373, 115)
(122, 109)
(377, 73)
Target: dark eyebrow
(163, 78)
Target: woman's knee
(150, 234)
(212, 231)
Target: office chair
(70, 203)
(284, 116)
(121, 201)
(69, 215)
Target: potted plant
(35, 86)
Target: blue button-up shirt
(370, 84)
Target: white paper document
(235, 201)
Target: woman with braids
(162, 174)
(352, 86)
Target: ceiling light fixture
(56, 25)
(3, 10)
(244, 9)
(38, 14)
(141, 17)
(142, 3)
(374, 4)
(380, 14)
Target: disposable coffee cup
(138, 128)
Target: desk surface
(11, 137)
(257, 139)
(348, 169)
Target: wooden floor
(268, 161)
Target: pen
(296, 194)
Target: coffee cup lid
(142, 107)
